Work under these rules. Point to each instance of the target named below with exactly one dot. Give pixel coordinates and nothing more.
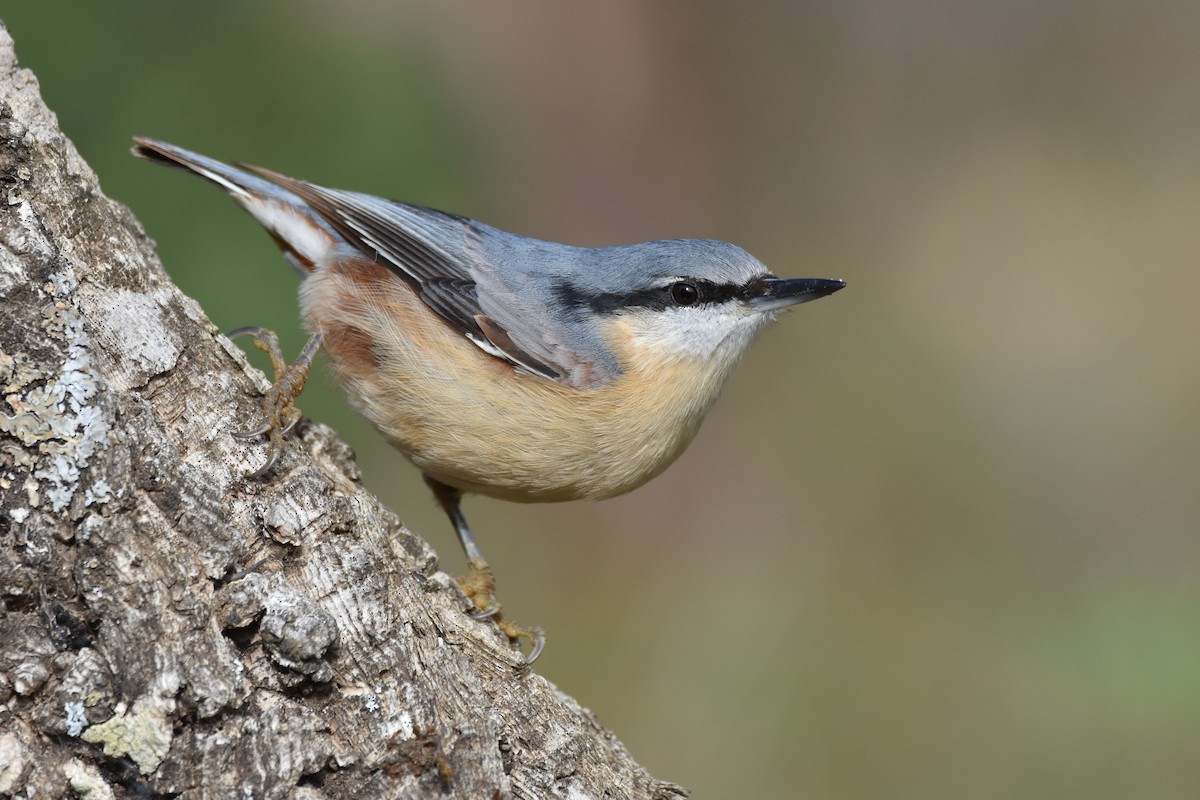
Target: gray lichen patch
(76, 719)
(53, 410)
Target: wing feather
(429, 249)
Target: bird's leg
(479, 584)
(279, 403)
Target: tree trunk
(171, 628)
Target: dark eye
(684, 293)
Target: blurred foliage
(938, 540)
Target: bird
(498, 364)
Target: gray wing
(434, 252)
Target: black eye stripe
(719, 292)
(657, 298)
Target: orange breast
(473, 421)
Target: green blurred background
(938, 539)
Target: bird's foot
(479, 585)
(279, 403)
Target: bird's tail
(300, 232)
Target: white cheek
(699, 333)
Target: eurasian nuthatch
(512, 367)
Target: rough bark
(170, 628)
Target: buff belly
(472, 421)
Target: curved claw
(247, 330)
(538, 637)
(485, 613)
(516, 633)
(254, 434)
(272, 460)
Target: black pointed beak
(777, 293)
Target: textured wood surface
(170, 628)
